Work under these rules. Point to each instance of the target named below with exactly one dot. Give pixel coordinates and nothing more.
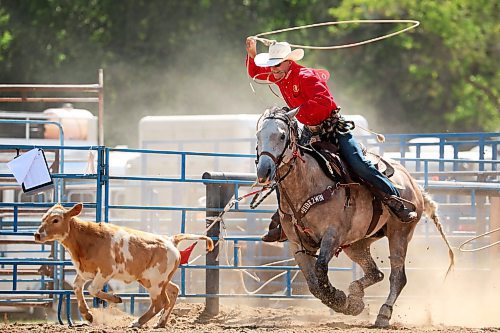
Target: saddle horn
(292, 113)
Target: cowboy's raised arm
(251, 45)
(253, 70)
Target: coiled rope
(477, 237)
(268, 42)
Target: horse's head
(276, 138)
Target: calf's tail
(176, 239)
(430, 209)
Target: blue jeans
(351, 153)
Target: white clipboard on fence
(31, 171)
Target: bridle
(304, 235)
(292, 130)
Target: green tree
(187, 57)
(441, 76)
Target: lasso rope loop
(268, 42)
(477, 237)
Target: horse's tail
(430, 209)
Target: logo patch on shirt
(295, 88)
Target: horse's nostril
(37, 236)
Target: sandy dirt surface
(189, 317)
(466, 301)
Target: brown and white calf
(103, 251)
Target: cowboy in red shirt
(306, 89)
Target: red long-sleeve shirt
(302, 86)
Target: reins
(297, 216)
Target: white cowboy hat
(278, 52)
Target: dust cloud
(469, 296)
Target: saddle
(326, 154)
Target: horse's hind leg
(398, 245)
(359, 252)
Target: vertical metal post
(106, 185)
(218, 195)
(100, 181)
(14, 277)
(288, 283)
(16, 213)
(441, 153)
(100, 119)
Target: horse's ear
(292, 113)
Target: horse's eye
(56, 220)
(283, 136)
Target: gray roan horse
(341, 222)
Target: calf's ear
(76, 210)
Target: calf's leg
(158, 300)
(171, 291)
(95, 289)
(82, 305)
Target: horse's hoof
(355, 305)
(382, 322)
(384, 315)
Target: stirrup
(398, 207)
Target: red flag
(186, 253)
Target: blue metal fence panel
(152, 203)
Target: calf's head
(56, 223)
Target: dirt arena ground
(467, 301)
(189, 317)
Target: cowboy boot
(398, 207)
(275, 233)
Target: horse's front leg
(307, 263)
(332, 297)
